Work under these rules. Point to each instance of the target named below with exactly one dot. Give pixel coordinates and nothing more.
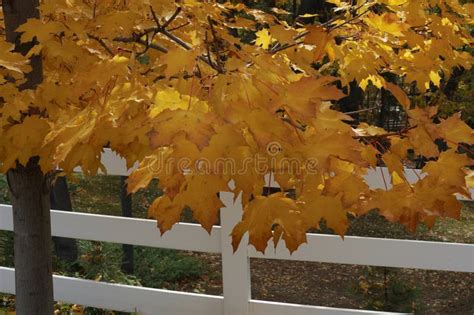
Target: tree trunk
(353, 101)
(319, 7)
(127, 211)
(65, 248)
(16, 13)
(29, 188)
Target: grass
(101, 195)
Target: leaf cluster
(161, 82)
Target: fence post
(235, 266)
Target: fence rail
(320, 247)
(236, 270)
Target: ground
(336, 285)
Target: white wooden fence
(236, 299)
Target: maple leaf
(400, 147)
(173, 100)
(12, 61)
(397, 205)
(399, 94)
(352, 187)
(454, 130)
(315, 207)
(365, 129)
(281, 33)
(264, 38)
(261, 214)
(23, 140)
(179, 60)
(321, 39)
(448, 168)
(167, 126)
(36, 29)
(316, 91)
(201, 194)
(395, 167)
(165, 212)
(162, 85)
(387, 22)
(141, 177)
(394, 2)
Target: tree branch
(386, 135)
(172, 18)
(136, 39)
(102, 43)
(361, 110)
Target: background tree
(65, 248)
(127, 211)
(247, 86)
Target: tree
(127, 211)
(29, 186)
(65, 248)
(168, 84)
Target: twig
(325, 24)
(136, 39)
(283, 47)
(386, 135)
(172, 18)
(349, 21)
(153, 14)
(102, 43)
(179, 26)
(217, 46)
(361, 110)
(176, 39)
(279, 47)
(303, 34)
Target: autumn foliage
(162, 81)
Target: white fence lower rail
(163, 302)
(320, 247)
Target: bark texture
(16, 13)
(29, 188)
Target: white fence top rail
(320, 247)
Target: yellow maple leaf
(166, 212)
(315, 207)
(11, 60)
(399, 94)
(168, 124)
(435, 78)
(448, 169)
(263, 213)
(179, 60)
(395, 166)
(455, 131)
(264, 39)
(171, 99)
(387, 22)
(200, 193)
